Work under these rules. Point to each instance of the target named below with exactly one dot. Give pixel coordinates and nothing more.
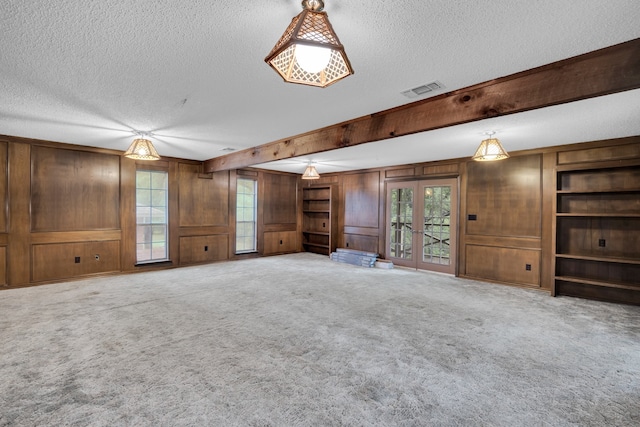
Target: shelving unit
(319, 224)
(598, 232)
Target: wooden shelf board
(316, 211)
(599, 191)
(324, 199)
(319, 233)
(599, 215)
(598, 283)
(317, 245)
(601, 259)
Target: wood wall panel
(58, 261)
(19, 236)
(3, 185)
(3, 265)
(203, 199)
(629, 148)
(503, 264)
(279, 204)
(276, 242)
(196, 249)
(361, 243)
(74, 190)
(361, 199)
(505, 197)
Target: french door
(422, 223)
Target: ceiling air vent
(423, 89)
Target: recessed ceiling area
(193, 73)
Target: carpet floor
(299, 340)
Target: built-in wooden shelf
(319, 218)
(599, 215)
(319, 233)
(598, 283)
(599, 258)
(597, 222)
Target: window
(246, 214)
(151, 216)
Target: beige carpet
(298, 340)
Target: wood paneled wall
(70, 212)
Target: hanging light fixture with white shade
(142, 148)
(490, 149)
(309, 52)
(310, 172)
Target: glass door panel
(421, 224)
(436, 222)
(401, 225)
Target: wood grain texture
(505, 196)
(279, 202)
(361, 196)
(628, 150)
(128, 214)
(3, 266)
(4, 178)
(202, 202)
(58, 261)
(74, 190)
(503, 264)
(19, 225)
(605, 71)
(197, 249)
(278, 242)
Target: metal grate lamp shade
(142, 149)
(310, 173)
(309, 51)
(490, 149)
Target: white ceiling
(193, 73)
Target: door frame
(418, 208)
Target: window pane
(143, 179)
(159, 180)
(158, 197)
(143, 214)
(245, 215)
(151, 208)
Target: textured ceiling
(192, 72)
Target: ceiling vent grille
(423, 89)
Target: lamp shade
(310, 173)
(490, 149)
(309, 51)
(142, 149)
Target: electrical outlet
(472, 217)
(206, 248)
(527, 267)
(77, 260)
(602, 243)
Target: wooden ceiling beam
(610, 70)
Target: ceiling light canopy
(310, 173)
(142, 149)
(309, 51)
(490, 149)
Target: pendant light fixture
(142, 149)
(310, 172)
(309, 51)
(490, 149)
